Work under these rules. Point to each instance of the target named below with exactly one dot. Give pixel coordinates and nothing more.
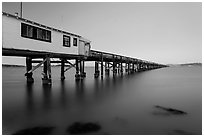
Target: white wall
(11, 38)
(81, 47)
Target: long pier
(40, 44)
(104, 63)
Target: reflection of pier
(40, 44)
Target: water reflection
(29, 97)
(80, 90)
(100, 88)
(63, 97)
(47, 94)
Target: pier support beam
(128, 68)
(96, 74)
(107, 68)
(77, 75)
(28, 68)
(47, 71)
(62, 69)
(121, 68)
(133, 68)
(101, 65)
(117, 68)
(82, 71)
(114, 69)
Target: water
(121, 105)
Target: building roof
(41, 25)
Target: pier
(104, 63)
(40, 44)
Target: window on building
(39, 33)
(36, 33)
(66, 41)
(75, 42)
(27, 30)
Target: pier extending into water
(104, 63)
(41, 44)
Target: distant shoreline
(187, 64)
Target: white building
(21, 34)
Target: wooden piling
(128, 68)
(107, 68)
(62, 69)
(83, 72)
(28, 68)
(114, 69)
(101, 65)
(46, 71)
(49, 69)
(121, 68)
(133, 67)
(96, 74)
(77, 75)
(81, 69)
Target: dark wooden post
(138, 67)
(96, 74)
(121, 68)
(83, 72)
(28, 68)
(114, 64)
(108, 71)
(47, 71)
(101, 65)
(133, 67)
(77, 75)
(81, 69)
(107, 68)
(114, 67)
(62, 69)
(128, 67)
(117, 68)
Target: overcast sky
(165, 33)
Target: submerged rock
(171, 110)
(83, 128)
(35, 131)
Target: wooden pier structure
(41, 44)
(104, 63)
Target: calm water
(121, 106)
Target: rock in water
(171, 110)
(83, 128)
(35, 131)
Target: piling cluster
(104, 62)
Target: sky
(166, 33)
